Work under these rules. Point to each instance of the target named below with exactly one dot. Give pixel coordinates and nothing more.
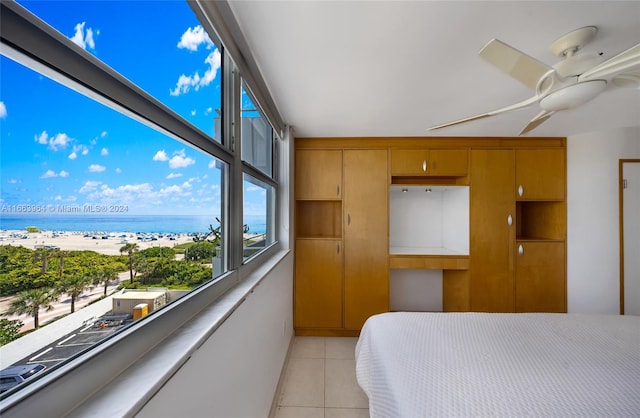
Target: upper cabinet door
(431, 162)
(540, 174)
(449, 162)
(409, 162)
(318, 174)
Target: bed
(415, 364)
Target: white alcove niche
(429, 220)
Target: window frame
(31, 42)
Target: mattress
(513, 365)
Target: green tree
(31, 301)
(130, 248)
(74, 286)
(9, 330)
(143, 265)
(201, 250)
(105, 275)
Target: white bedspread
(513, 365)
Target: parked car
(14, 375)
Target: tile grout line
(324, 377)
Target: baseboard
(276, 395)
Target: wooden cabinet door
(540, 174)
(540, 277)
(409, 162)
(366, 236)
(318, 283)
(318, 174)
(449, 162)
(491, 204)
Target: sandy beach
(104, 243)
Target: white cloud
(100, 192)
(254, 189)
(50, 174)
(193, 38)
(96, 168)
(63, 174)
(70, 198)
(42, 138)
(103, 134)
(208, 111)
(180, 160)
(193, 112)
(160, 156)
(174, 175)
(212, 163)
(118, 170)
(73, 155)
(104, 152)
(83, 38)
(185, 82)
(13, 181)
(59, 141)
(89, 186)
(3, 110)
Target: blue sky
(59, 147)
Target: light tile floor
(320, 381)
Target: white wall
(235, 372)
(593, 260)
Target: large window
(119, 200)
(170, 56)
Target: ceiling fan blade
(627, 80)
(626, 61)
(516, 106)
(537, 121)
(518, 65)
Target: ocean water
(118, 223)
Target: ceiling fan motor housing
(572, 95)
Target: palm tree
(31, 301)
(43, 254)
(61, 254)
(74, 286)
(130, 248)
(106, 276)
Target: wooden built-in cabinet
(341, 266)
(516, 259)
(492, 230)
(518, 245)
(366, 274)
(318, 290)
(429, 162)
(540, 174)
(540, 284)
(318, 174)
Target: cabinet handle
(348, 219)
(338, 190)
(509, 220)
(520, 190)
(338, 247)
(520, 250)
(424, 165)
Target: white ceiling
(395, 68)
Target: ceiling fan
(575, 80)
